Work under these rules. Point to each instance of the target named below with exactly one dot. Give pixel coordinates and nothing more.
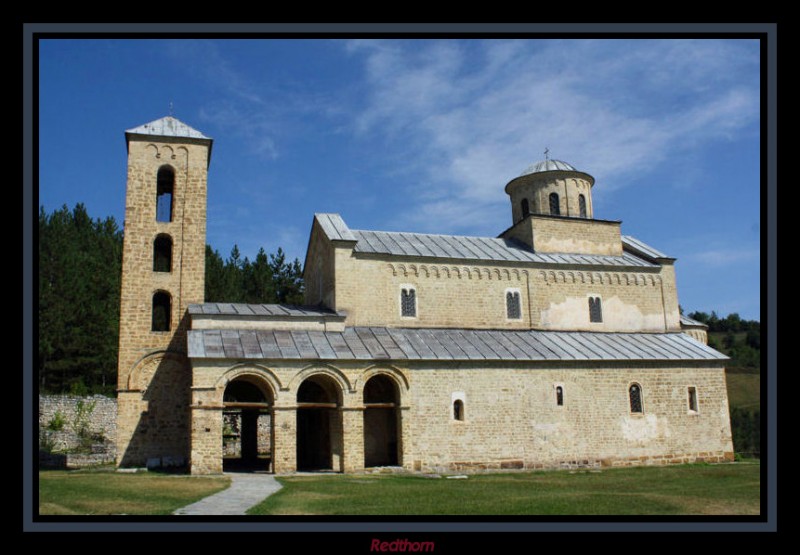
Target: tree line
(79, 266)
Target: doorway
(247, 434)
(381, 422)
(319, 425)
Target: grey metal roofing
(167, 127)
(477, 248)
(334, 227)
(379, 343)
(686, 321)
(239, 309)
(643, 248)
(548, 165)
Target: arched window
(635, 394)
(458, 410)
(513, 310)
(165, 192)
(162, 254)
(161, 311)
(555, 207)
(408, 302)
(559, 396)
(595, 310)
(582, 205)
(525, 208)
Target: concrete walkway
(245, 491)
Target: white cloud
(470, 115)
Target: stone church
(558, 343)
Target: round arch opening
(319, 424)
(247, 425)
(382, 423)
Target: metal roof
(379, 343)
(490, 249)
(548, 165)
(334, 227)
(239, 309)
(686, 321)
(642, 248)
(167, 127)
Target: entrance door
(381, 422)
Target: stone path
(245, 491)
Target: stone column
(206, 453)
(284, 447)
(405, 452)
(353, 440)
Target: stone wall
(511, 415)
(103, 419)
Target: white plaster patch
(573, 313)
(644, 428)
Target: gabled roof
(379, 343)
(460, 247)
(691, 322)
(167, 127)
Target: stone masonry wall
(103, 419)
(474, 295)
(511, 416)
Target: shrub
(57, 423)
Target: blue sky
(422, 135)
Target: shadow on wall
(161, 437)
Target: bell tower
(163, 272)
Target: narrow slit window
(525, 208)
(161, 311)
(408, 302)
(635, 394)
(595, 310)
(513, 308)
(582, 205)
(555, 205)
(162, 254)
(458, 410)
(693, 399)
(559, 396)
(165, 193)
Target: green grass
(744, 390)
(105, 492)
(676, 490)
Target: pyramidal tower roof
(167, 127)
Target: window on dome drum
(408, 302)
(161, 311)
(693, 399)
(513, 310)
(559, 396)
(595, 310)
(162, 254)
(555, 208)
(458, 410)
(165, 189)
(582, 205)
(635, 394)
(525, 208)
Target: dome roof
(548, 165)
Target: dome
(547, 166)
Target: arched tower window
(162, 253)
(162, 304)
(555, 208)
(408, 302)
(559, 396)
(165, 193)
(635, 394)
(526, 210)
(513, 311)
(582, 205)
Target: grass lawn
(676, 490)
(105, 492)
